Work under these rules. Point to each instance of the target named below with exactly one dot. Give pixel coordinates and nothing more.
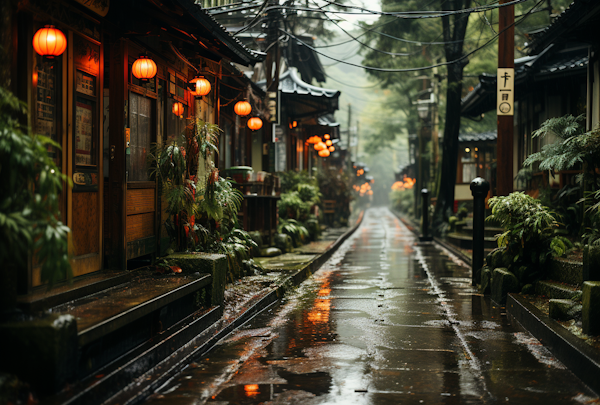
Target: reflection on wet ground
(384, 321)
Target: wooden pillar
(506, 59)
(117, 182)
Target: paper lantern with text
(242, 108)
(255, 123)
(324, 153)
(144, 68)
(49, 42)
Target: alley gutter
(579, 357)
(142, 385)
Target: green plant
(531, 233)
(30, 188)
(294, 229)
(292, 206)
(403, 200)
(291, 179)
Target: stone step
(566, 271)
(466, 242)
(555, 289)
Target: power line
(417, 68)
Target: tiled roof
(485, 136)
(290, 83)
(328, 120)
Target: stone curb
(144, 385)
(580, 358)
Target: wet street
(385, 321)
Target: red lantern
(314, 139)
(49, 42)
(324, 153)
(242, 108)
(332, 148)
(255, 123)
(328, 142)
(202, 86)
(178, 109)
(326, 136)
(144, 68)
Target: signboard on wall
(273, 106)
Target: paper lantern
(328, 142)
(49, 42)
(255, 123)
(320, 146)
(324, 153)
(314, 139)
(294, 124)
(326, 136)
(178, 109)
(332, 148)
(242, 108)
(202, 86)
(144, 68)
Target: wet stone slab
(385, 321)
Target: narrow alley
(385, 321)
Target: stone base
(503, 282)
(42, 352)
(591, 308)
(214, 264)
(591, 263)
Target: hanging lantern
(314, 139)
(255, 123)
(294, 124)
(320, 146)
(242, 108)
(49, 42)
(324, 153)
(202, 86)
(328, 142)
(326, 136)
(178, 109)
(144, 68)
(331, 148)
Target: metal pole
(425, 216)
(479, 189)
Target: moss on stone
(503, 282)
(591, 307)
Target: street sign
(506, 91)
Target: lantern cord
(183, 58)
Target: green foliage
(291, 179)
(531, 233)
(292, 206)
(334, 184)
(403, 201)
(30, 188)
(300, 193)
(295, 230)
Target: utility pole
(348, 150)
(505, 94)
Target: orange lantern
(326, 136)
(49, 42)
(332, 148)
(324, 153)
(242, 108)
(328, 142)
(255, 123)
(202, 86)
(320, 146)
(178, 109)
(314, 139)
(144, 68)
(294, 124)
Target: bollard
(425, 216)
(479, 189)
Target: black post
(479, 189)
(425, 216)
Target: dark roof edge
(245, 55)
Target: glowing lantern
(326, 136)
(202, 86)
(49, 41)
(320, 146)
(328, 142)
(314, 139)
(178, 109)
(324, 153)
(144, 68)
(294, 124)
(332, 148)
(242, 108)
(255, 123)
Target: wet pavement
(385, 321)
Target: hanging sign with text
(506, 91)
